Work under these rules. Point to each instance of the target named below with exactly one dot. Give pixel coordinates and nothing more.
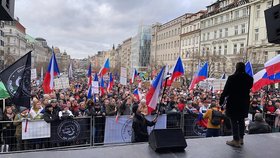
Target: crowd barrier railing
(92, 131)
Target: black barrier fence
(88, 131)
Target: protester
(259, 125)
(36, 111)
(8, 130)
(23, 115)
(236, 90)
(254, 108)
(143, 107)
(110, 108)
(213, 128)
(65, 113)
(139, 126)
(50, 116)
(277, 117)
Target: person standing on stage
(237, 91)
(139, 126)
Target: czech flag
(178, 69)
(249, 69)
(89, 75)
(154, 91)
(262, 79)
(89, 95)
(199, 76)
(134, 75)
(137, 94)
(102, 87)
(53, 70)
(105, 68)
(273, 65)
(111, 83)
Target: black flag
(17, 80)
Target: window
(221, 33)
(242, 28)
(241, 48)
(216, 21)
(214, 51)
(226, 32)
(268, 4)
(265, 56)
(236, 14)
(227, 17)
(197, 38)
(256, 34)
(176, 32)
(193, 41)
(225, 49)
(220, 50)
(190, 28)
(258, 11)
(215, 34)
(208, 35)
(244, 12)
(222, 19)
(235, 30)
(1, 43)
(194, 27)
(203, 37)
(234, 48)
(190, 41)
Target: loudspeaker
(272, 19)
(161, 140)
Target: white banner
(95, 87)
(33, 74)
(35, 129)
(219, 84)
(121, 131)
(61, 83)
(123, 78)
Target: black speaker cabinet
(162, 140)
(272, 19)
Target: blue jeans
(213, 132)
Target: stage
(256, 146)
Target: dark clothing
(253, 111)
(259, 127)
(237, 91)
(213, 132)
(49, 116)
(139, 126)
(238, 128)
(9, 132)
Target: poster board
(61, 83)
(33, 74)
(123, 78)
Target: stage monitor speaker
(163, 140)
(272, 19)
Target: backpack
(216, 117)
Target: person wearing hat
(259, 125)
(49, 115)
(22, 115)
(254, 108)
(139, 126)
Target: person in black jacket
(254, 109)
(49, 115)
(237, 91)
(139, 126)
(259, 125)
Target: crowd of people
(73, 102)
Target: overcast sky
(83, 27)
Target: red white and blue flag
(201, 75)
(154, 91)
(273, 65)
(105, 68)
(249, 69)
(134, 76)
(111, 83)
(89, 75)
(53, 70)
(102, 87)
(262, 79)
(137, 94)
(178, 70)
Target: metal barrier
(90, 131)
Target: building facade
(1, 45)
(15, 42)
(259, 50)
(166, 41)
(224, 35)
(190, 42)
(125, 55)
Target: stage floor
(256, 146)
